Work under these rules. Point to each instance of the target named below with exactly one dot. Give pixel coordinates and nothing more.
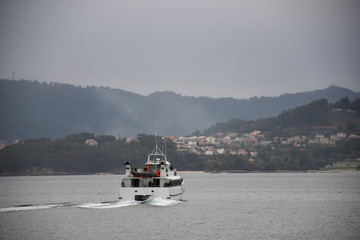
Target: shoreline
(181, 172)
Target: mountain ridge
(31, 109)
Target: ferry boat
(158, 179)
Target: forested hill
(30, 109)
(342, 115)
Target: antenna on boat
(155, 138)
(165, 147)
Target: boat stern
(144, 193)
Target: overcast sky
(210, 48)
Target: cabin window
(153, 167)
(135, 182)
(157, 182)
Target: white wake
(100, 205)
(104, 205)
(162, 202)
(29, 207)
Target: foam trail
(162, 202)
(104, 205)
(101, 205)
(29, 207)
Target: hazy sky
(193, 47)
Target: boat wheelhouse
(158, 179)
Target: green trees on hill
(71, 155)
(311, 114)
(355, 105)
(315, 113)
(343, 103)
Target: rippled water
(216, 206)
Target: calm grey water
(216, 206)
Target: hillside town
(233, 143)
(239, 144)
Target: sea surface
(216, 206)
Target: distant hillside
(30, 109)
(317, 116)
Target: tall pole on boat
(156, 144)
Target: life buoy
(157, 173)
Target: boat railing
(157, 156)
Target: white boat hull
(131, 193)
(143, 193)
